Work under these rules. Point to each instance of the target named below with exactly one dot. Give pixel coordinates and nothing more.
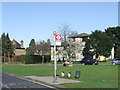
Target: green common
(92, 76)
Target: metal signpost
(56, 37)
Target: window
(73, 56)
(65, 56)
(83, 39)
(73, 39)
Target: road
(53, 64)
(12, 82)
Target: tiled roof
(79, 35)
(16, 44)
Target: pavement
(50, 79)
(14, 81)
(11, 82)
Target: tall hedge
(47, 58)
(32, 59)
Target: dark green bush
(27, 59)
(32, 59)
(47, 58)
(59, 60)
(118, 52)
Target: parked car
(116, 61)
(89, 61)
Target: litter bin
(64, 64)
(77, 74)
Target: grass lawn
(92, 76)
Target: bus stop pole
(55, 61)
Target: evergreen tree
(7, 49)
(32, 43)
(4, 50)
(99, 43)
(32, 47)
(114, 32)
(0, 46)
(9, 46)
(118, 52)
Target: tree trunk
(42, 59)
(8, 57)
(4, 57)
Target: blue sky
(28, 20)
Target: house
(18, 48)
(76, 45)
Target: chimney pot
(22, 42)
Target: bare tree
(65, 31)
(43, 48)
(68, 49)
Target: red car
(66, 63)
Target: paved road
(9, 82)
(53, 64)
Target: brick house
(18, 48)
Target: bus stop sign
(58, 37)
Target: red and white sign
(58, 37)
(54, 32)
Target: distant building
(18, 48)
(78, 41)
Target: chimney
(22, 42)
(48, 41)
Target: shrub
(32, 59)
(47, 58)
(59, 60)
(17, 58)
(26, 59)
